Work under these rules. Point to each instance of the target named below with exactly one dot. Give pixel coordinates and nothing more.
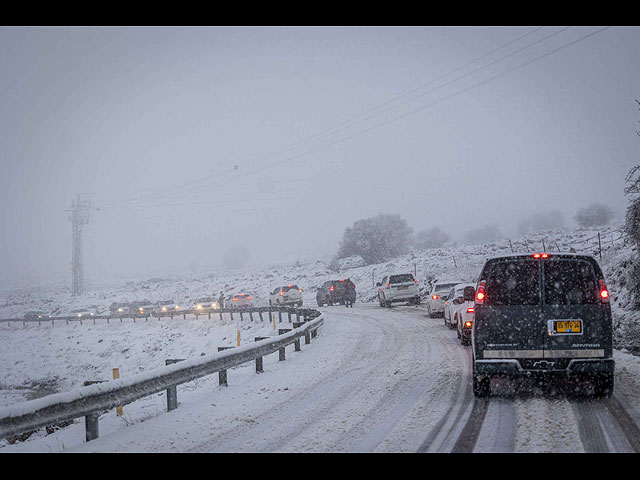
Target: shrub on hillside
(376, 239)
(594, 215)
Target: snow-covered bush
(432, 238)
(376, 239)
(594, 215)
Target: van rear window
(569, 282)
(515, 282)
(404, 278)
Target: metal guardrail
(92, 400)
(241, 311)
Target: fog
(191, 141)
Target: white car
(398, 287)
(287, 295)
(464, 314)
(435, 300)
(165, 307)
(455, 301)
(242, 300)
(204, 305)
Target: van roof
(582, 256)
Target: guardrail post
(259, 366)
(241, 315)
(279, 315)
(297, 342)
(251, 315)
(231, 314)
(289, 314)
(307, 338)
(172, 392)
(314, 333)
(92, 430)
(260, 313)
(281, 353)
(222, 374)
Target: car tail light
(415, 280)
(235, 299)
(470, 310)
(536, 255)
(480, 295)
(604, 293)
(468, 324)
(387, 284)
(545, 255)
(281, 293)
(248, 298)
(300, 290)
(331, 289)
(435, 297)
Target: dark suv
(542, 314)
(336, 291)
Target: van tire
(603, 385)
(481, 384)
(481, 387)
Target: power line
(330, 131)
(411, 112)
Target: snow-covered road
(374, 380)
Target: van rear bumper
(575, 366)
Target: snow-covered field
(373, 380)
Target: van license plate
(568, 326)
(403, 288)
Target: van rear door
(578, 322)
(509, 323)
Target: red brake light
(248, 298)
(281, 293)
(536, 255)
(604, 293)
(545, 255)
(387, 284)
(300, 290)
(435, 297)
(235, 299)
(470, 310)
(331, 289)
(415, 280)
(468, 324)
(480, 295)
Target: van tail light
(470, 310)
(235, 299)
(331, 289)
(480, 295)
(415, 280)
(300, 290)
(468, 324)
(387, 284)
(435, 297)
(248, 298)
(540, 255)
(604, 293)
(281, 293)
(536, 255)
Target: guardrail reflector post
(238, 337)
(273, 315)
(116, 375)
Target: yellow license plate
(574, 326)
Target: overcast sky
(168, 132)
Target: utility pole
(79, 216)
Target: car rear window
(569, 282)
(404, 278)
(514, 282)
(444, 287)
(289, 287)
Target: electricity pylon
(79, 216)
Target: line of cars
(540, 316)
